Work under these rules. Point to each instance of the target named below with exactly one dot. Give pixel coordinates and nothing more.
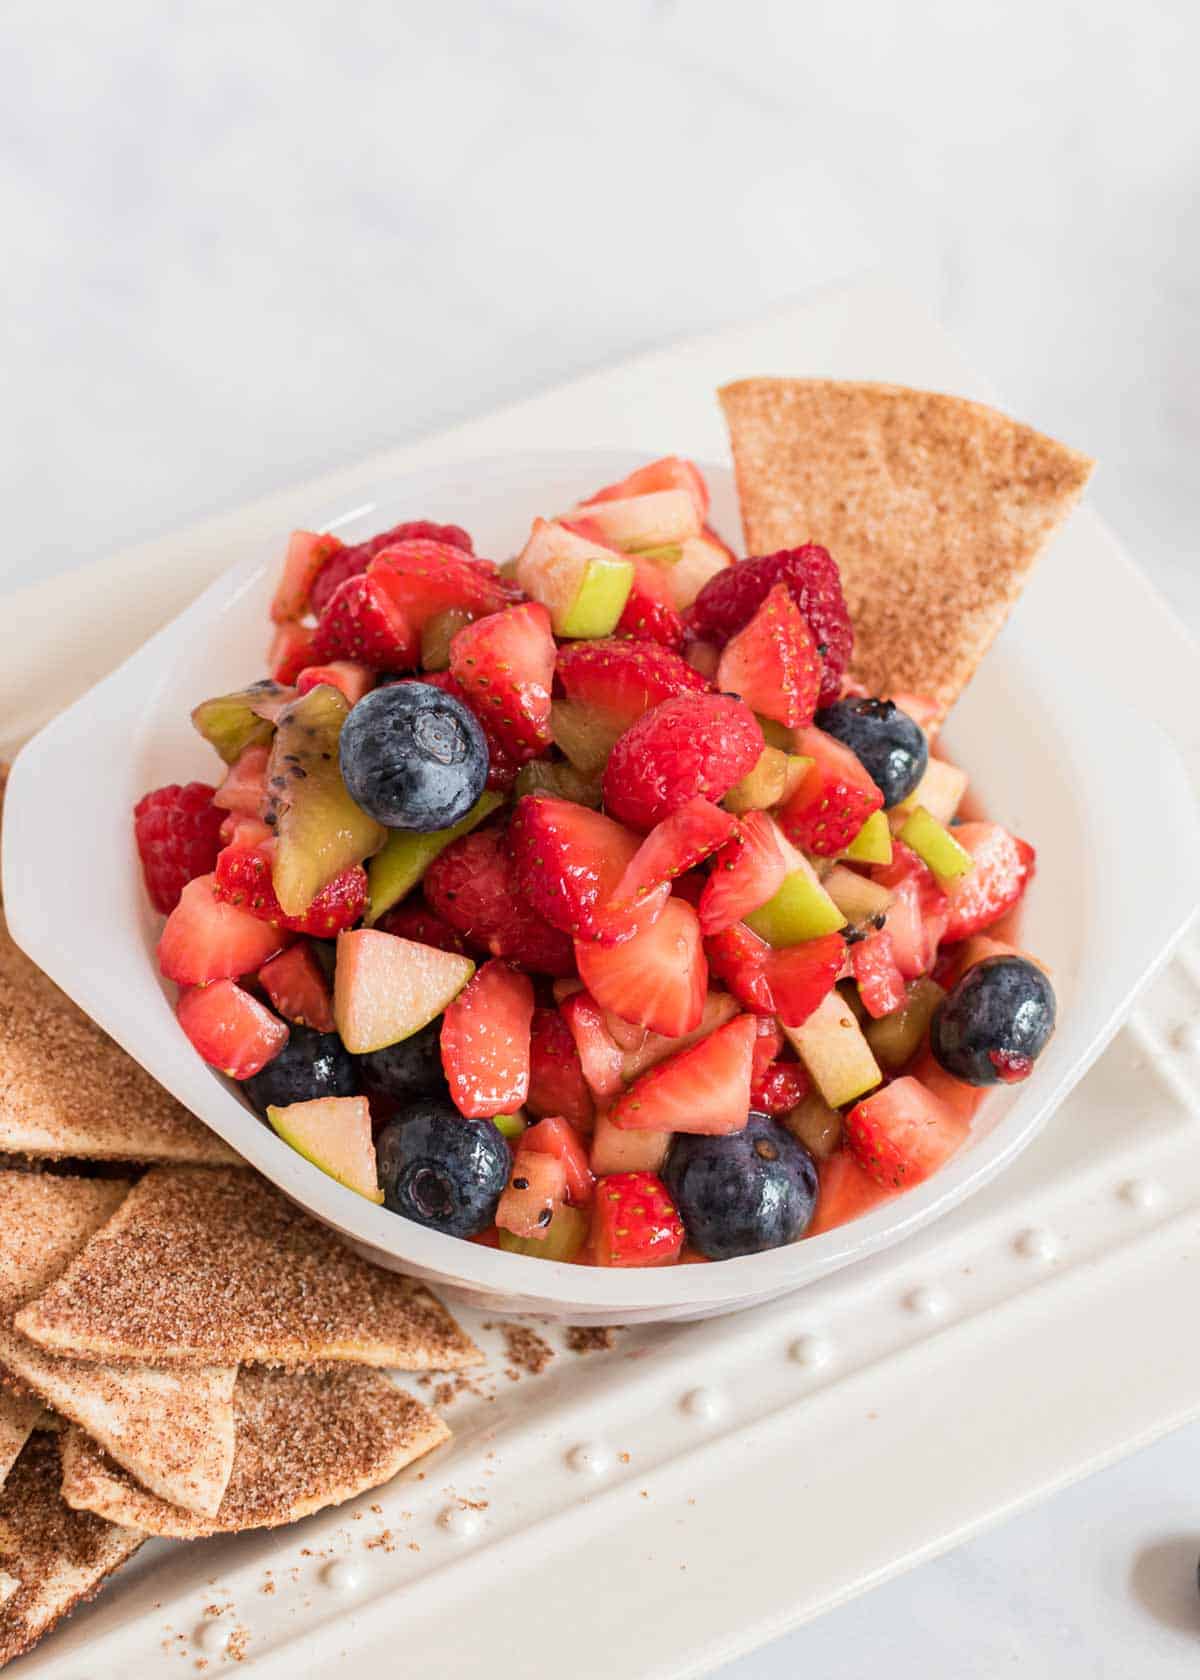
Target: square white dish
(1038, 731)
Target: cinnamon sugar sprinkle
(591, 1338)
(527, 1352)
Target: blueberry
(310, 1065)
(993, 1025)
(410, 1069)
(891, 748)
(441, 1170)
(741, 1194)
(413, 757)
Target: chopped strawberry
(619, 680)
(244, 789)
(231, 1029)
(672, 472)
(570, 861)
(307, 553)
(779, 1088)
(502, 766)
(768, 1043)
(290, 651)
(677, 845)
(1004, 867)
(657, 979)
(556, 1082)
(362, 623)
(634, 1221)
(649, 613)
(846, 1192)
(554, 1136)
(354, 680)
(834, 799)
(295, 983)
(773, 663)
(238, 830)
(243, 877)
(739, 957)
(476, 887)
(351, 561)
(423, 926)
(963, 1100)
(422, 579)
(902, 1134)
(694, 744)
(205, 939)
(600, 1056)
(746, 872)
(802, 976)
(916, 917)
(536, 1189)
(732, 597)
(880, 982)
(485, 1042)
(703, 1089)
(505, 664)
(177, 830)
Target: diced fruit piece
(245, 786)
(837, 1056)
(694, 744)
(553, 1136)
(237, 830)
(511, 1126)
(563, 1239)
(799, 910)
(423, 578)
(744, 1194)
(485, 1042)
(558, 778)
(846, 1192)
(739, 957)
(703, 1089)
(333, 1133)
(600, 1056)
(232, 722)
(440, 1170)
(243, 877)
(649, 613)
(764, 786)
(672, 472)
(896, 1038)
(206, 940)
(407, 855)
(616, 680)
(747, 873)
(778, 1088)
(916, 920)
(940, 791)
(657, 979)
(634, 1221)
(586, 737)
(689, 565)
(679, 843)
(651, 520)
(307, 553)
(858, 897)
(615, 1151)
(418, 922)
(476, 886)
(817, 1126)
(773, 663)
(290, 651)
(231, 1029)
(936, 846)
(386, 989)
(347, 675)
(872, 843)
(768, 1043)
(903, 1133)
(177, 829)
(296, 985)
(320, 828)
(351, 561)
(536, 1187)
(833, 801)
(995, 1022)
(437, 634)
(570, 862)
(801, 976)
(556, 1082)
(880, 982)
(505, 663)
(361, 622)
(1003, 868)
(962, 1099)
(890, 745)
(703, 657)
(583, 583)
(653, 1048)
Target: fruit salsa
(583, 905)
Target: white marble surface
(242, 243)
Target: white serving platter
(656, 1509)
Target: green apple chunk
(406, 856)
(835, 1053)
(873, 842)
(560, 778)
(658, 519)
(386, 988)
(320, 830)
(233, 722)
(935, 845)
(762, 787)
(858, 898)
(565, 1236)
(583, 585)
(585, 735)
(436, 635)
(896, 1038)
(334, 1133)
(510, 1125)
(814, 1124)
(800, 910)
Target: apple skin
(600, 600)
(936, 846)
(873, 842)
(800, 910)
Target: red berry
(177, 829)
(290, 652)
(555, 1137)
(694, 744)
(231, 1029)
(634, 1221)
(649, 613)
(556, 1082)
(834, 799)
(902, 1134)
(778, 1088)
(243, 878)
(677, 845)
(295, 983)
(789, 983)
(704, 1089)
(352, 679)
(733, 596)
(747, 871)
(846, 1193)
(351, 561)
(570, 861)
(600, 1056)
(657, 979)
(423, 579)
(423, 926)
(622, 679)
(206, 939)
(1004, 867)
(505, 665)
(485, 1042)
(474, 885)
(361, 623)
(773, 663)
(308, 553)
(672, 472)
(502, 765)
(880, 982)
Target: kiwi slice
(565, 1236)
(896, 1038)
(233, 722)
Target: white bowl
(1050, 753)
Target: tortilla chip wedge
(51, 1557)
(172, 1429)
(211, 1265)
(305, 1440)
(18, 1419)
(934, 508)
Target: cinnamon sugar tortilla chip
(305, 1440)
(18, 1418)
(66, 1089)
(934, 508)
(173, 1430)
(51, 1557)
(212, 1265)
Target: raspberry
(693, 744)
(731, 598)
(349, 562)
(778, 1088)
(178, 837)
(474, 886)
(417, 922)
